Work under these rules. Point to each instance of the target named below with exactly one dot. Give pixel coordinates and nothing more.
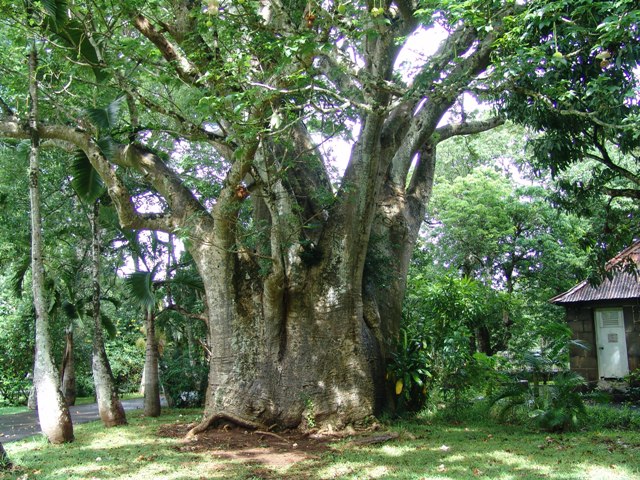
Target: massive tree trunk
(68, 370)
(266, 364)
(109, 406)
(53, 412)
(151, 374)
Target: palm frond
(140, 286)
(57, 9)
(16, 281)
(70, 309)
(23, 148)
(105, 118)
(112, 300)
(85, 179)
(109, 326)
(107, 146)
(188, 279)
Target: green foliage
(408, 370)
(561, 406)
(57, 9)
(71, 34)
(578, 56)
(504, 234)
(140, 286)
(106, 118)
(435, 355)
(184, 380)
(126, 360)
(571, 75)
(602, 417)
(554, 406)
(85, 179)
(17, 333)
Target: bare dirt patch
(260, 448)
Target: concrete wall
(580, 319)
(632, 328)
(583, 361)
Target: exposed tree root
(212, 419)
(271, 434)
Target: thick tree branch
(185, 209)
(187, 72)
(622, 192)
(467, 128)
(421, 183)
(623, 172)
(424, 123)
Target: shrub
(554, 407)
(16, 354)
(602, 417)
(127, 363)
(433, 357)
(184, 380)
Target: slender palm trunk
(31, 401)
(151, 375)
(53, 412)
(68, 370)
(109, 405)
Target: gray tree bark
(68, 370)
(109, 406)
(53, 413)
(151, 373)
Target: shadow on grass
(421, 451)
(132, 451)
(483, 452)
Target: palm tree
(89, 188)
(68, 369)
(141, 287)
(53, 412)
(109, 404)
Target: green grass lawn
(11, 410)
(422, 450)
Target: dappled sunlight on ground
(150, 449)
(610, 472)
(397, 450)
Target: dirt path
(20, 425)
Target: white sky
(420, 46)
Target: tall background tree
(575, 83)
(303, 281)
(53, 413)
